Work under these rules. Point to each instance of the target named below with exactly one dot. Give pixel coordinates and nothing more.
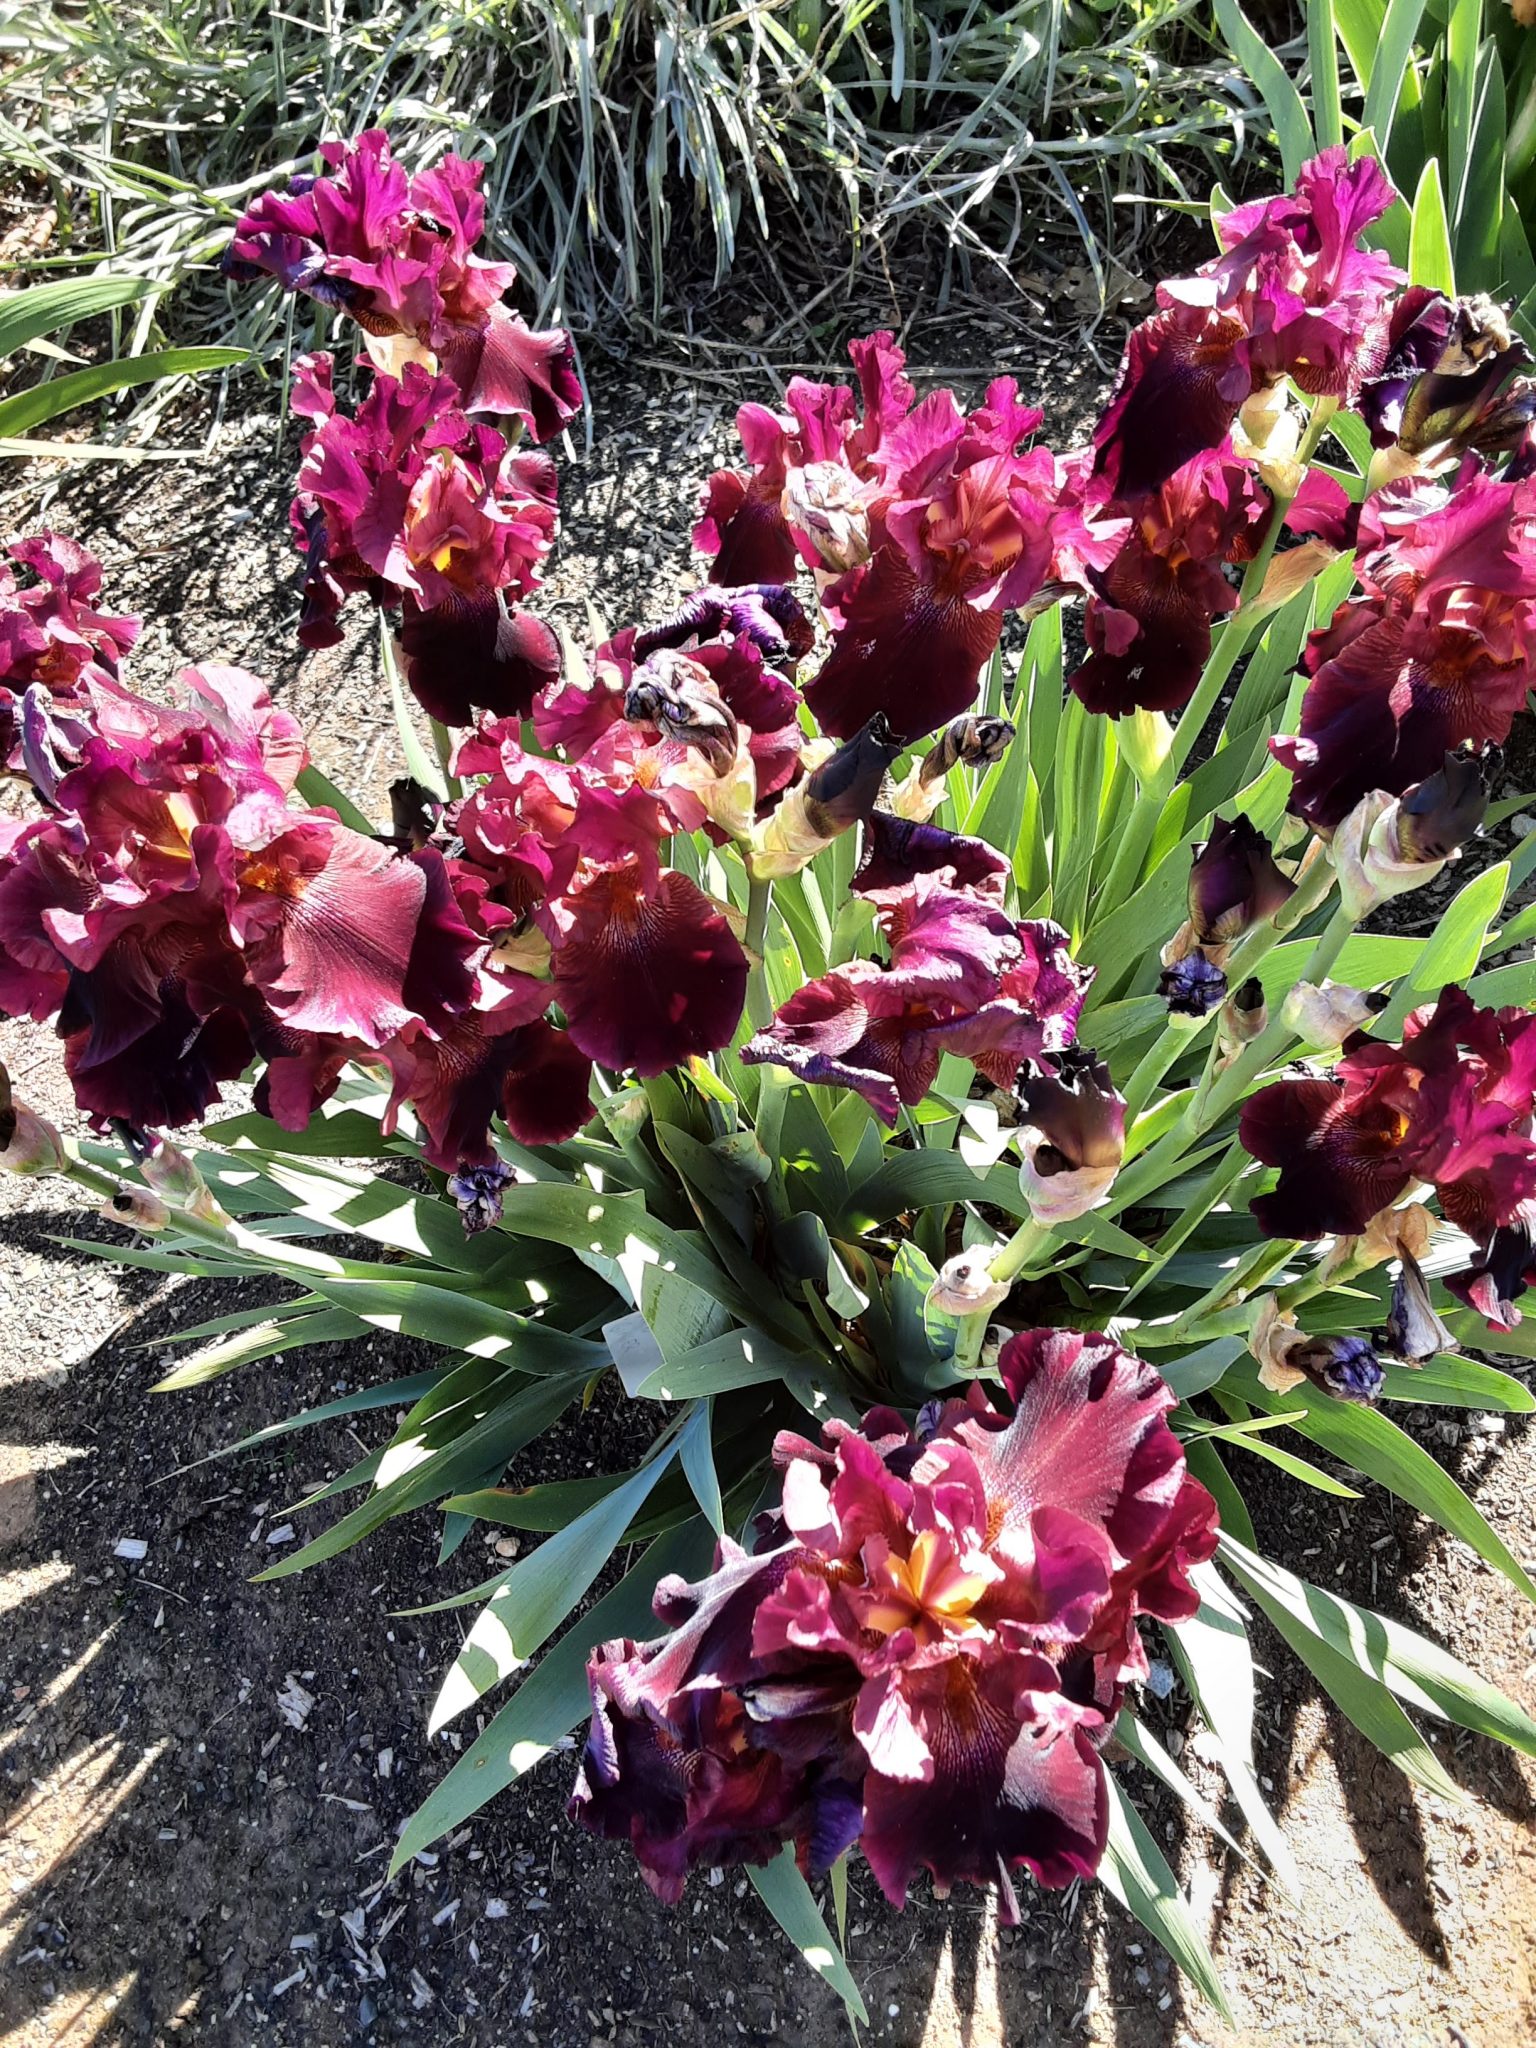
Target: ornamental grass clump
(945, 1121)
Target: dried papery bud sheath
(1345, 1367)
(1325, 1015)
(1243, 1017)
(1071, 1136)
(967, 742)
(1192, 986)
(840, 793)
(965, 1287)
(1414, 1330)
(681, 700)
(415, 813)
(1234, 883)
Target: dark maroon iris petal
(898, 850)
(136, 1047)
(1184, 375)
(647, 976)
(907, 651)
(742, 526)
(467, 655)
(502, 365)
(547, 1094)
(1339, 1150)
(1234, 882)
(1014, 1792)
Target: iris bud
(1234, 883)
(1324, 1015)
(1243, 1015)
(1072, 1136)
(32, 1145)
(1193, 986)
(965, 1287)
(1438, 816)
(1388, 845)
(841, 792)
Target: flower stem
(759, 1001)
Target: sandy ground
(192, 1853)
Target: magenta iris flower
(1435, 652)
(1148, 620)
(52, 633)
(926, 1651)
(413, 504)
(962, 977)
(1452, 1105)
(1292, 293)
(925, 524)
(397, 254)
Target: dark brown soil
(179, 1862)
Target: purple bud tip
(478, 1190)
(1192, 987)
(1346, 1367)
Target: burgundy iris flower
(1148, 621)
(413, 504)
(397, 254)
(962, 977)
(1292, 293)
(51, 631)
(963, 529)
(927, 1651)
(1435, 652)
(1452, 1106)
(646, 968)
(179, 917)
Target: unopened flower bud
(1438, 816)
(138, 1209)
(1414, 1329)
(477, 1191)
(840, 793)
(1234, 883)
(1071, 1136)
(1389, 845)
(965, 1287)
(1192, 986)
(1243, 1016)
(827, 503)
(414, 813)
(969, 743)
(973, 742)
(1325, 1016)
(174, 1175)
(32, 1145)
(680, 699)
(1344, 1367)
